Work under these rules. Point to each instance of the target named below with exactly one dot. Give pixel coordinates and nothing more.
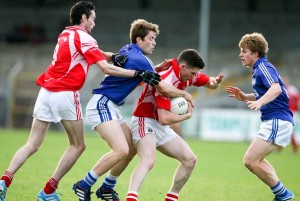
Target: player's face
(248, 58)
(148, 44)
(90, 22)
(187, 73)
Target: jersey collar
(75, 27)
(260, 60)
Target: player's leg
(146, 150)
(272, 134)
(294, 144)
(111, 132)
(38, 131)
(108, 184)
(178, 149)
(74, 130)
(177, 128)
(255, 161)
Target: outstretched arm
(110, 69)
(235, 92)
(214, 82)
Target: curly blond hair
(255, 42)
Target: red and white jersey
(75, 51)
(294, 97)
(150, 99)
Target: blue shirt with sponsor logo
(117, 89)
(263, 76)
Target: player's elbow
(106, 71)
(164, 121)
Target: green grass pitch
(219, 174)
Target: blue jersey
(263, 76)
(117, 89)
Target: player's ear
(182, 65)
(138, 40)
(83, 18)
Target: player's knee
(32, 148)
(122, 151)
(81, 148)
(190, 161)
(248, 163)
(148, 162)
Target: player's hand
(219, 78)
(119, 59)
(189, 98)
(191, 107)
(235, 92)
(253, 105)
(164, 65)
(151, 78)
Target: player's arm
(273, 92)
(169, 90)
(110, 69)
(116, 58)
(151, 78)
(214, 82)
(167, 118)
(163, 65)
(235, 92)
(107, 55)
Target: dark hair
(192, 58)
(78, 9)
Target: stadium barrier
(210, 124)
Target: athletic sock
(51, 186)
(279, 190)
(171, 196)
(89, 180)
(132, 196)
(109, 182)
(7, 177)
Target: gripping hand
(119, 59)
(151, 78)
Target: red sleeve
(93, 55)
(163, 102)
(199, 80)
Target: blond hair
(255, 42)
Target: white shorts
(277, 131)
(100, 109)
(142, 126)
(56, 106)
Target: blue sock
(279, 190)
(89, 180)
(109, 182)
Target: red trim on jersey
(141, 126)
